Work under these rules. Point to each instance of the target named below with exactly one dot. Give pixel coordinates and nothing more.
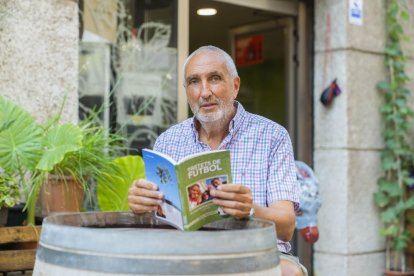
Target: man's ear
(236, 86)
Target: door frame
(183, 39)
(279, 6)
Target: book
(186, 185)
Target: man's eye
(193, 82)
(215, 78)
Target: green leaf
(391, 52)
(401, 241)
(405, 15)
(381, 199)
(391, 231)
(390, 187)
(386, 108)
(59, 140)
(401, 102)
(389, 164)
(383, 86)
(112, 188)
(389, 215)
(20, 139)
(9, 191)
(409, 204)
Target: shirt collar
(238, 119)
(234, 126)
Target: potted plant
(9, 195)
(39, 154)
(393, 196)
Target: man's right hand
(143, 196)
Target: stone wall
(348, 139)
(39, 55)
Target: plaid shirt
(261, 156)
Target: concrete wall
(348, 138)
(39, 55)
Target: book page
(162, 172)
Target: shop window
(128, 66)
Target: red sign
(249, 50)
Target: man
(262, 160)
(216, 182)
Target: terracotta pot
(60, 195)
(398, 273)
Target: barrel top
(128, 233)
(147, 220)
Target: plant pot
(398, 273)
(17, 217)
(3, 216)
(60, 194)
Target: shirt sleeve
(159, 144)
(282, 182)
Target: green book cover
(186, 186)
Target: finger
(234, 205)
(144, 201)
(139, 209)
(147, 193)
(135, 191)
(246, 198)
(143, 183)
(236, 213)
(235, 188)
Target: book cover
(186, 186)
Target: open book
(186, 186)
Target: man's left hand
(235, 199)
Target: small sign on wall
(356, 12)
(249, 50)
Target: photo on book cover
(198, 194)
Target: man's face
(210, 88)
(216, 182)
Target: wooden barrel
(127, 244)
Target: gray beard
(212, 117)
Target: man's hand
(143, 196)
(235, 199)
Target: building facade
(44, 52)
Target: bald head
(228, 61)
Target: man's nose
(206, 90)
